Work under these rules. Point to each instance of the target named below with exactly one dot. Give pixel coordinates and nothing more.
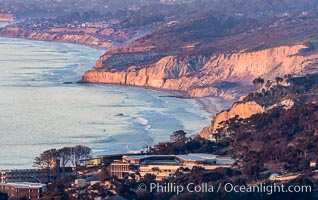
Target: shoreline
(217, 103)
(207, 104)
(60, 42)
(4, 24)
(211, 105)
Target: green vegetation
(279, 137)
(280, 140)
(180, 144)
(51, 158)
(258, 81)
(298, 89)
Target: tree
(64, 155)
(252, 169)
(56, 190)
(261, 80)
(258, 81)
(279, 79)
(103, 174)
(196, 175)
(149, 178)
(155, 170)
(47, 160)
(178, 136)
(50, 159)
(80, 152)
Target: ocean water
(39, 112)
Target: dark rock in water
(121, 115)
(67, 82)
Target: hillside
(90, 25)
(213, 55)
(51, 8)
(284, 92)
(273, 130)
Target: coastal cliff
(62, 36)
(242, 110)
(284, 93)
(224, 75)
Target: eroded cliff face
(242, 110)
(86, 39)
(224, 75)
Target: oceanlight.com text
(227, 187)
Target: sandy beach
(210, 104)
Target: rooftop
(24, 184)
(190, 157)
(148, 156)
(205, 155)
(187, 157)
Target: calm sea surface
(39, 112)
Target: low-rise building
(119, 169)
(30, 175)
(23, 189)
(166, 165)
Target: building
(313, 163)
(91, 162)
(119, 169)
(163, 166)
(23, 189)
(30, 175)
(101, 160)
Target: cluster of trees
(258, 81)
(64, 156)
(181, 144)
(300, 89)
(278, 136)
